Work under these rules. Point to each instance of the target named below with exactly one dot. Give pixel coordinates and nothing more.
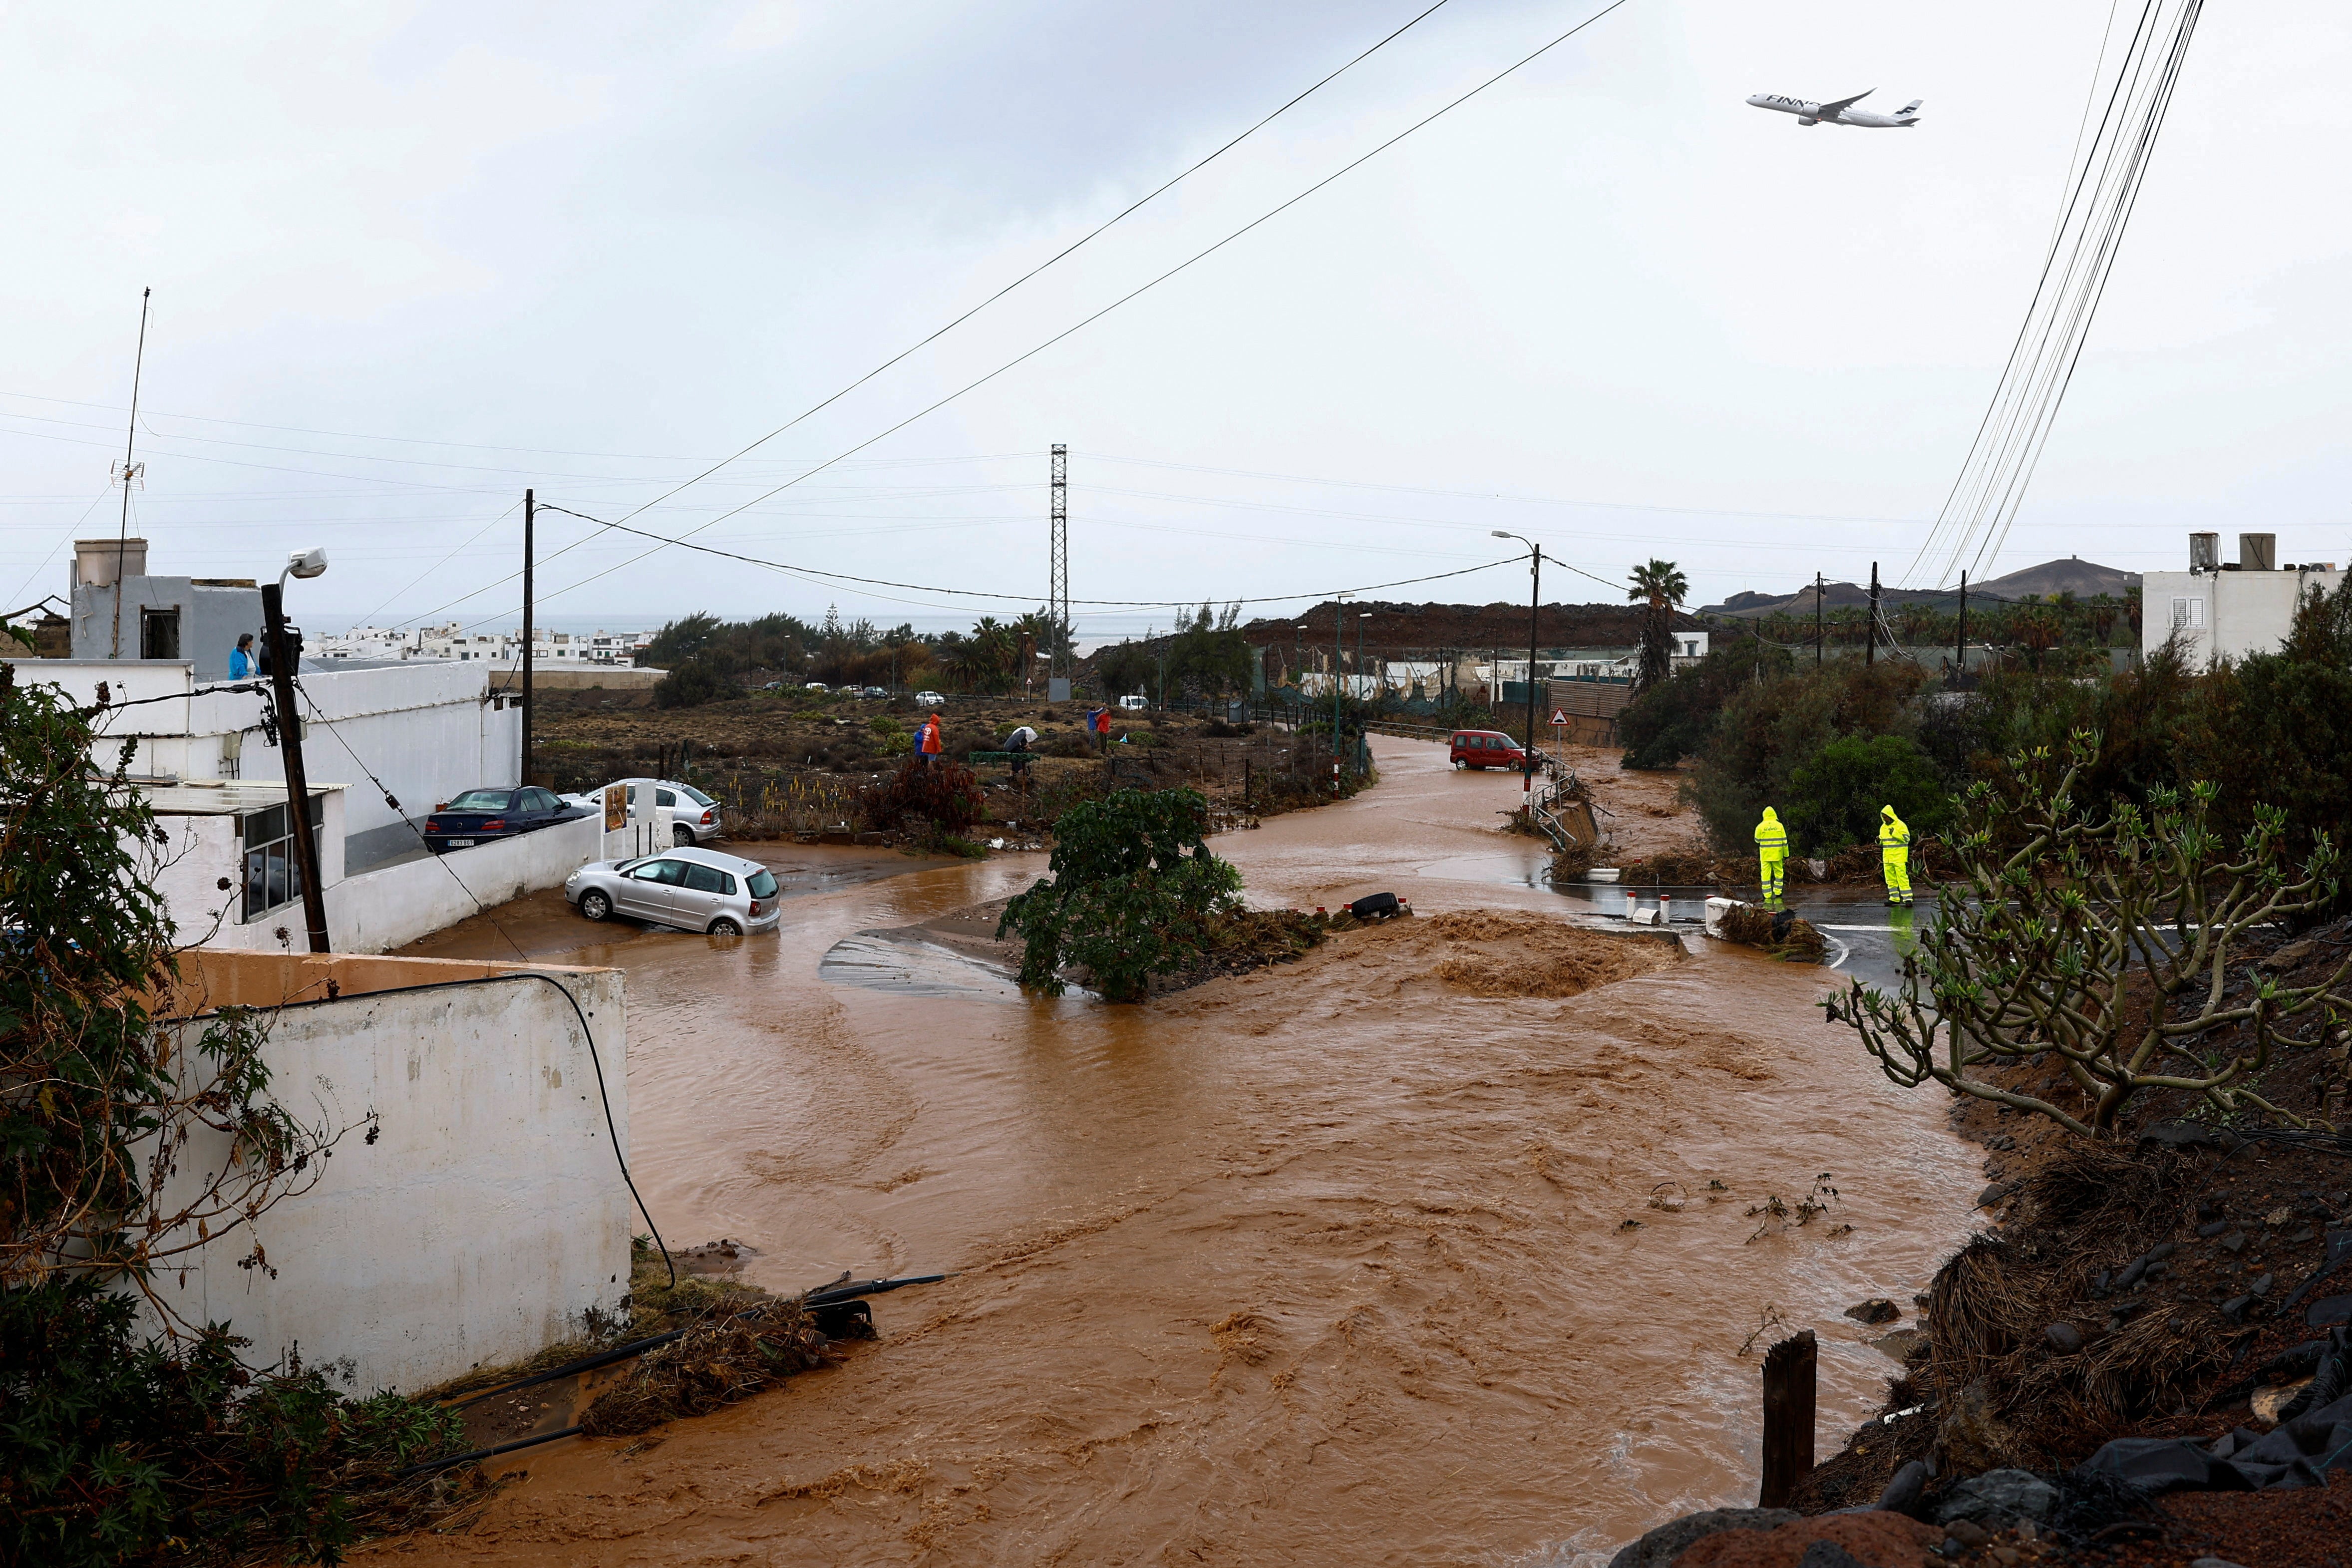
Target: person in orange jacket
(928, 742)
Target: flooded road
(1340, 1263)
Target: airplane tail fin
(1909, 110)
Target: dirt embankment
(2173, 1282)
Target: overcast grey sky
(1607, 303)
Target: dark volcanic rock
(1996, 1498)
(1669, 1541)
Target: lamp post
(302, 564)
(1535, 604)
(1338, 652)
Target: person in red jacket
(926, 740)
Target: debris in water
(1778, 932)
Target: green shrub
(1834, 800)
(1132, 892)
(116, 1448)
(1672, 719)
(701, 679)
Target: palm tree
(1033, 631)
(1660, 588)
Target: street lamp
(305, 564)
(1535, 604)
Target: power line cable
(1982, 504)
(822, 576)
(1057, 256)
(1135, 293)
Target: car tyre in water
(722, 927)
(680, 834)
(595, 905)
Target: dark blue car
(480, 815)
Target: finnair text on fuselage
(1838, 112)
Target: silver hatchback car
(691, 889)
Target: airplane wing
(1830, 110)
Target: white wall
(428, 730)
(2241, 612)
(375, 911)
(486, 1216)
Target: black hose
(480, 1454)
(585, 1363)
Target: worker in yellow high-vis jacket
(1771, 854)
(1895, 854)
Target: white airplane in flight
(1840, 112)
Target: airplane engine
(1802, 120)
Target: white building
(2227, 610)
(500, 650)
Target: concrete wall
(394, 905)
(577, 678)
(427, 730)
(374, 910)
(212, 618)
(489, 1213)
(2239, 612)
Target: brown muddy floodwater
(1327, 1264)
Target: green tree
(1131, 890)
(1660, 587)
(1834, 800)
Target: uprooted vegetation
(1782, 932)
(733, 1340)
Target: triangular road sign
(1559, 716)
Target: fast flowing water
(1329, 1264)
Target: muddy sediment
(1439, 1244)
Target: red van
(1486, 749)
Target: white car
(692, 890)
(1135, 703)
(815, 686)
(929, 699)
(693, 816)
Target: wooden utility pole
(1871, 657)
(527, 506)
(1960, 662)
(1817, 620)
(1789, 1371)
(298, 782)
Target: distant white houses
(501, 649)
(2221, 610)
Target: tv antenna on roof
(128, 473)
